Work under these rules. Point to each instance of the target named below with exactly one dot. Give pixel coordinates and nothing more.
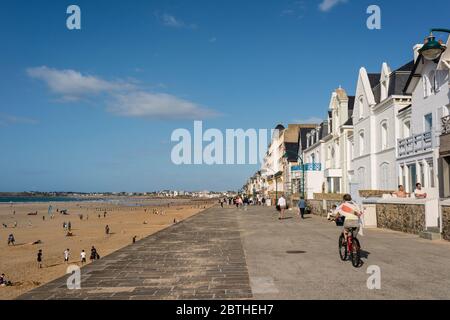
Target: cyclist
(350, 210)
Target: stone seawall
(409, 218)
(446, 222)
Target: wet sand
(125, 220)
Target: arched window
(361, 143)
(384, 176)
(384, 135)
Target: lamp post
(302, 166)
(433, 49)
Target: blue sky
(94, 109)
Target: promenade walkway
(250, 254)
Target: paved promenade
(249, 254)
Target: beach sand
(19, 262)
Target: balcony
(416, 144)
(445, 121)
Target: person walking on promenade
(302, 207)
(39, 259)
(282, 206)
(66, 256)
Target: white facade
(338, 144)
(418, 152)
(379, 98)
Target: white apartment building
(418, 149)
(378, 100)
(313, 157)
(338, 143)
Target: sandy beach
(125, 220)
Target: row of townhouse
(395, 130)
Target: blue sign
(308, 167)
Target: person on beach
(39, 259)
(282, 206)
(104, 214)
(134, 239)
(107, 229)
(11, 240)
(4, 282)
(66, 256)
(302, 207)
(69, 226)
(83, 257)
(94, 254)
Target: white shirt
(420, 192)
(66, 254)
(282, 202)
(83, 255)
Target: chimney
(416, 49)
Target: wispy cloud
(122, 98)
(7, 119)
(295, 9)
(213, 39)
(72, 85)
(157, 106)
(327, 5)
(169, 20)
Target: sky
(94, 109)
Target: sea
(43, 199)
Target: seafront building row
(393, 130)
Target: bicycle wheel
(356, 253)
(343, 248)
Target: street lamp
(302, 166)
(433, 49)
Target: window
(384, 176)
(361, 107)
(361, 143)
(426, 81)
(431, 174)
(412, 177)
(428, 122)
(406, 128)
(422, 175)
(384, 135)
(362, 178)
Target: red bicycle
(351, 246)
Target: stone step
(434, 229)
(430, 235)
